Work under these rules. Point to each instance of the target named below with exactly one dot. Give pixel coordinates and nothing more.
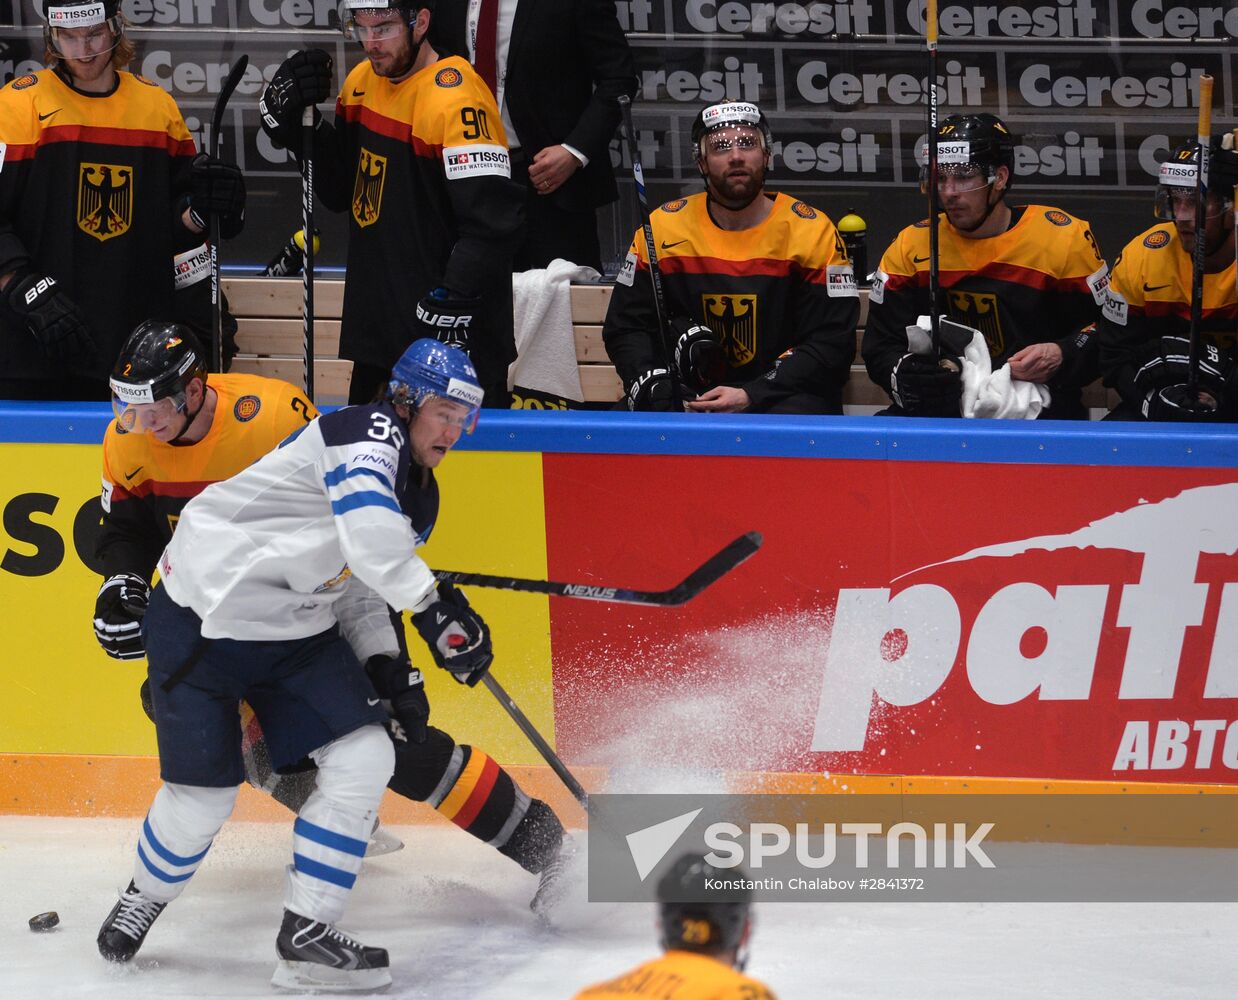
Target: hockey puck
(44, 921)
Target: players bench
(268, 311)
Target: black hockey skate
(553, 880)
(125, 928)
(314, 955)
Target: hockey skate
(382, 842)
(125, 928)
(553, 880)
(316, 956)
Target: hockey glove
(1170, 365)
(926, 387)
(218, 189)
(446, 317)
(119, 610)
(401, 685)
(1177, 403)
(302, 80)
(458, 639)
(53, 319)
(653, 391)
(698, 356)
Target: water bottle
(289, 261)
(854, 231)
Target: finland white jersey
(315, 532)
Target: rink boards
(936, 605)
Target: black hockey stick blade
(710, 571)
(221, 102)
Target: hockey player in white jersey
(274, 589)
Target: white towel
(545, 343)
(988, 393)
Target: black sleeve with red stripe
(885, 332)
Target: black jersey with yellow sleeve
(422, 168)
(91, 190)
(1041, 281)
(146, 482)
(780, 297)
(1150, 297)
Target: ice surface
(454, 915)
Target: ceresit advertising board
(907, 617)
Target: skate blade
(382, 842)
(310, 977)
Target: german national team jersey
(1150, 297)
(422, 168)
(147, 482)
(90, 188)
(681, 975)
(1041, 281)
(316, 533)
(780, 297)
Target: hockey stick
(217, 121)
(710, 571)
(307, 227)
(934, 273)
(544, 748)
(655, 273)
(1204, 136)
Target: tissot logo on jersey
(190, 267)
(479, 160)
(104, 200)
(840, 281)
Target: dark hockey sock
(470, 788)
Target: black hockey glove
(698, 356)
(401, 685)
(445, 316)
(458, 639)
(653, 391)
(1170, 365)
(926, 387)
(119, 610)
(218, 189)
(1178, 403)
(302, 80)
(52, 319)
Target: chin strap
(190, 418)
(987, 212)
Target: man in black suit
(556, 67)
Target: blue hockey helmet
(428, 368)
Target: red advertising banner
(912, 618)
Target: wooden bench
(268, 312)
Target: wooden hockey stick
(217, 120)
(710, 571)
